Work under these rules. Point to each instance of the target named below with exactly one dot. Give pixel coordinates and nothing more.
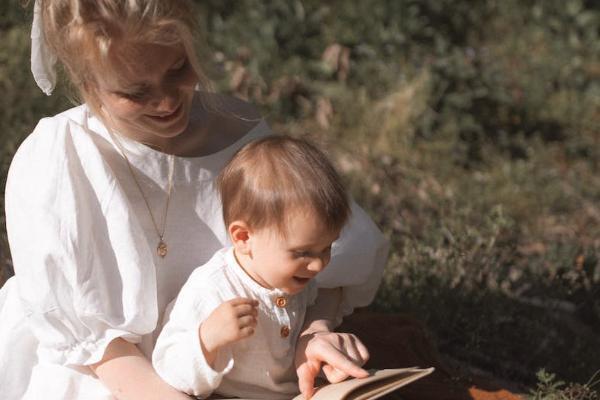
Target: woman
(112, 204)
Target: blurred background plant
(470, 131)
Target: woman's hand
(339, 354)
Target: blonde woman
(111, 205)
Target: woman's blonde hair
(82, 33)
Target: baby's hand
(232, 321)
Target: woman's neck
(207, 132)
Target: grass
(550, 388)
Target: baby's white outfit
(258, 367)
(83, 248)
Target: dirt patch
(397, 341)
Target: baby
(233, 328)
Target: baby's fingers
(244, 307)
(246, 326)
(246, 321)
(240, 301)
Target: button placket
(283, 314)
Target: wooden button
(281, 302)
(285, 331)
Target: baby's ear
(240, 233)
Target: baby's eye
(301, 254)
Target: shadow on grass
(504, 336)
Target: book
(378, 384)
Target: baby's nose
(316, 265)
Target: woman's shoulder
(49, 152)
(77, 115)
(50, 133)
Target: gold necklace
(161, 248)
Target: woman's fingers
(357, 351)
(340, 351)
(340, 354)
(334, 375)
(307, 372)
(340, 361)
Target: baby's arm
(185, 361)
(232, 321)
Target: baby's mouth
(301, 280)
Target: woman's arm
(339, 354)
(321, 316)
(129, 375)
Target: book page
(378, 384)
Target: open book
(380, 383)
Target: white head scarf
(43, 61)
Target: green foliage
(550, 388)
(12, 14)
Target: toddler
(233, 328)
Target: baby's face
(288, 262)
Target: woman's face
(148, 94)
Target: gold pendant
(161, 250)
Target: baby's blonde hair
(82, 33)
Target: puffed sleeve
(178, 357)
(357, 262)
(82, 267)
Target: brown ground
(397, 341)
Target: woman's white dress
(84, 251)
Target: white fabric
(43, 61)
(261, 366)
(84, 251)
